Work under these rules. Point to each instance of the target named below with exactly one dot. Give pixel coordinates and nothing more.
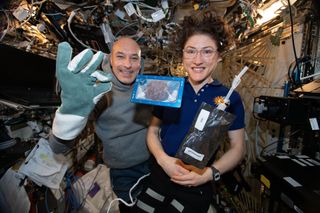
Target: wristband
(215, 173)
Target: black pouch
(207, 132)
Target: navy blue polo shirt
(177, 121)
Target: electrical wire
(73, 196)
(274, 142)
(146, 5)
(46, 200)
(290, 73)
(8, 25)
(257, 138)
(293, 41)
(31, 11)
(126, 26)
(73, 13)
(93, 181)
(265, 147)
(133, 202)
(54, 14)
(140, 15)
(70, 197)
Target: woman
(171, 187)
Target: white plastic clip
(236, 81)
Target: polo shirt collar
(215, 82)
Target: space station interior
(277, 41)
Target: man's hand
(82, 86)
(81, 83)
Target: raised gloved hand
(82, 86)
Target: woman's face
(200, 58)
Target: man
(121, 125)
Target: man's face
(125, 60)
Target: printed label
(283, 157)
(130, 9)
(314, 124)
(265, 181)
(306, 162)
(302, 156)
(292, 181)
(298, 162)
(314, 162)
(158, 15)
(297, 209)
(202, 119)
(194, 154)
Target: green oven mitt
(82, 86)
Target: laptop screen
(27, 79)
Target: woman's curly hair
(208, 24)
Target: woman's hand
(194, 177)
(171, 167)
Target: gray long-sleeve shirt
(122, 129)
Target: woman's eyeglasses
(191, 53)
